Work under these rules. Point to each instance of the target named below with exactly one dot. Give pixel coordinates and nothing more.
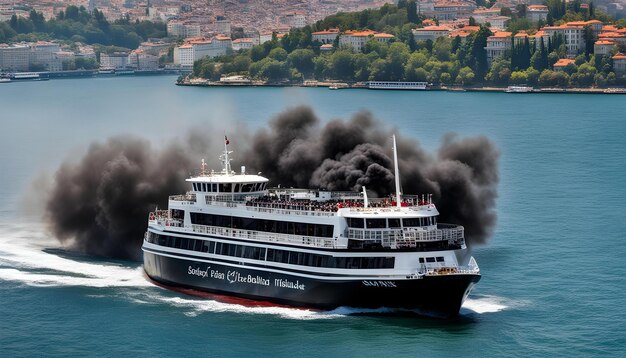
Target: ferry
(396, 85)
(231, 234)
(26, 76)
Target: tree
(466, 76)
(479, 54)
(411, 12)
(278, 54)
(343, 65)
(519, 77)
(302, 60)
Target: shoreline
(344, 86)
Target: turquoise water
(553, 273)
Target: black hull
(439, 296)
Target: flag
(226, 140)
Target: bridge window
(356, 222)
(394, 223)
(376, 223)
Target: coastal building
(183, 55)
(140, 60)
(430, 33)
(325, 36)
(562, 63)
(357, 39)
(572, 35)
(222, 26)
(537, 12)
(295, 20)
(196, 48)
(155, 48)
(463, 32)
(481, 15)
(498, 45)
(243, 44)
(62, 60)
(116, 60)
(446, 10)
(42, 54)
(603, 47)
(181, 29)
(14, 57)
(265, 36)
(619, 64)
(498, 22)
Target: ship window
(421, 260)
(356, 222)
(214, 188)
(412, 222)
(212, 247)
(430, 259)
(198, 246)
(440, 259)
(394, 223)
(237, 188)
(376, 223)
(228, 187)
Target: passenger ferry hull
(434, 295)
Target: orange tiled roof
(502, 34)
(619, 56)
(605, 42)
(326, 32)
(537, 7)
(433, 28)
(562, 62)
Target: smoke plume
(101, 202)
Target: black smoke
(101, 202)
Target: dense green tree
(343, 65)
(278, 54)
(302, 60)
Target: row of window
(271, 255)
(274, 226)
(431, 259)
(229, 187)
(391, 223)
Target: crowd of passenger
(312, 205)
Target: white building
(42, 54)
(357, 39)
(325, 36)
(243, 44)
(186, 54)
(14, 57)
(181, 29)
(481, 15)
(572, 36)
(619, 64)
(265, 37)
(116, 60)
(498, 44)
(222, 26)
(537, 12)
(498, 22)
(295, 20)
(430, 33)
(140, 60)
(603, 47)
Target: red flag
(226, 140)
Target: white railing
(189, 198)
(470, 269)
(265, 236)
(409, 237)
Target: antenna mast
(224, 157)
(396, 171)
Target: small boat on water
(5, 80)
(519, 89)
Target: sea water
(553, 272)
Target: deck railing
(265, 236)
(409, 237)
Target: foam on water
(23, 260)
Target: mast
(396, 171)
(224, 157)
